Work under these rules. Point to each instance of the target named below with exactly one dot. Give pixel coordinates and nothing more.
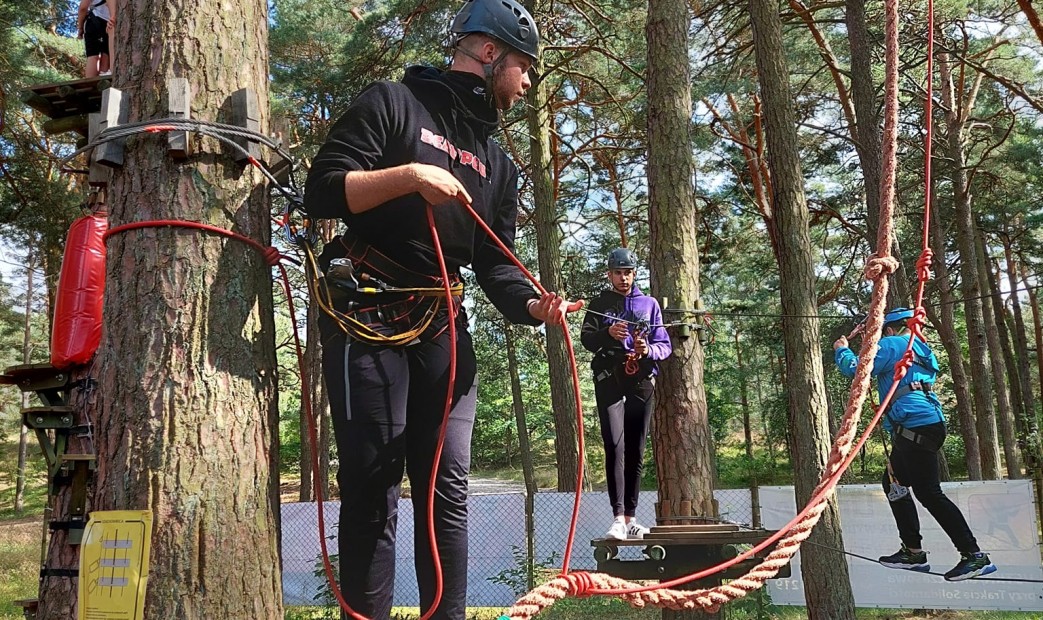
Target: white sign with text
(1001, 516)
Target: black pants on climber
(624, 409)
(916, 466)
(387, 405)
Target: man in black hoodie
(400, 147)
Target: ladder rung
(77, 457)
(48, 417)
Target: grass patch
(35, 478)
(19, 564)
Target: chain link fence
(498, 542)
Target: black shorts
(95, 36)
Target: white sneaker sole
(985, 570)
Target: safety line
(868, 559)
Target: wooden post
(246, 114)
(113, 114)
(98, 175)
(179, 105)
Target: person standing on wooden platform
(94, 24)
(624, 330)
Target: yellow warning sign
(114, 561)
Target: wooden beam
(113, 114)
(78, 123)
(179, 105)
(247, 114)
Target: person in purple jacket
(624, 330)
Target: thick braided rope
(879, 266)
(711, 599)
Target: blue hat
(898, 314)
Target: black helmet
(622, 258)
(506, 20)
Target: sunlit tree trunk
(944, 320)
(970, 288)
(680, 426)
(826, 584)
(1005, 417)
(188, 418)
(548, 244)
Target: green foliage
(517, 576)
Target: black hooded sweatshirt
(443, 119)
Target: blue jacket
(635, 306)
(915, 408)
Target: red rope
(573, 307)
(451, 309)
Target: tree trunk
(528, 468)
(1037, 328)
(827, 587)
(548, 245)
(1017, 405)
(945, 323)
(747, 433)
(680, 427)
(23, 434)
(1021, 347)
(187, 404)
(992, 315)
(970, 288)
(866, 133)
(320, 404)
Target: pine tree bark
(1005, 417)
(681, 431)
(866, 134)
(320, 405)
(548, 246)
(945, 322)
(747, 434)
(970, 288)
(188, 422)
(23, 434)
(827, 587)
(1021, 347)
(528, 467)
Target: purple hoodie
(636, 307)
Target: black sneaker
(907, 560)
(971, 565)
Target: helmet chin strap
(488, 70)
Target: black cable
(218, 131)
(862, 557)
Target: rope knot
(580, 584)
(917, 321)
(903, 365)
(272, 256)
(879, 266)
(923, 265)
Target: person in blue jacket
(917, 427)
(624, 330)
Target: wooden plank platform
(676, 550)
(64, 99)
(32, 377)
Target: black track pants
(916, 467)
(387, 405)
(624, 409)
